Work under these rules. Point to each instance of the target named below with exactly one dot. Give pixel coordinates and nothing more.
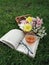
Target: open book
(16, 40)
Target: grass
(9, 9)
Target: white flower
(21, 26)
(43, 27)
(40, 31)
(43, 31)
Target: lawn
(9, 9)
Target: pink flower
(33, 22)
(23, 21)
(39, 22)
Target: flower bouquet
(33, 29)
(31, 25)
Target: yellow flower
(29, 19)
(27, 27)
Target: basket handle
(18, 18)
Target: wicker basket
(23, 17)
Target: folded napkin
(28, 49)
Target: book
(15, 39)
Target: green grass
(9, 9)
